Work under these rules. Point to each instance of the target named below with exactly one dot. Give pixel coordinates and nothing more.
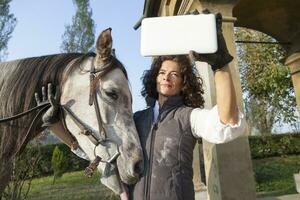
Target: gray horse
(106, 134)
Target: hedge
(275, 145)
(261, 147)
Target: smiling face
(169, 81)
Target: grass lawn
(275, 175)
(72, 185)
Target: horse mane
(19, 80)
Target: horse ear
(103, 47)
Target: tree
(7, 25)
(58, 163)
(79, 37)
(266, 82)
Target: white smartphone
(175, 35)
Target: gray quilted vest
(168, 153)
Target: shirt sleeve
(206, 123)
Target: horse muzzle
(130, 164)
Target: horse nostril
(139, 168)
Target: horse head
(101, 81)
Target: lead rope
(30, 128)
(42, 107)
(23, 113)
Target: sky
(41, 24)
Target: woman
(175, 119)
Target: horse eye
(112, 94)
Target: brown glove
(51, 116)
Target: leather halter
(94, 81)
(95, 77)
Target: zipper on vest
(148, 179)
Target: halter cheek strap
(93, 100)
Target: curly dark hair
(193, 84)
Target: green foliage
(43, 167)
(266, 83)
(275, 145)
(58, 163)
(79, 37)
(24, 170)
(7, 25)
